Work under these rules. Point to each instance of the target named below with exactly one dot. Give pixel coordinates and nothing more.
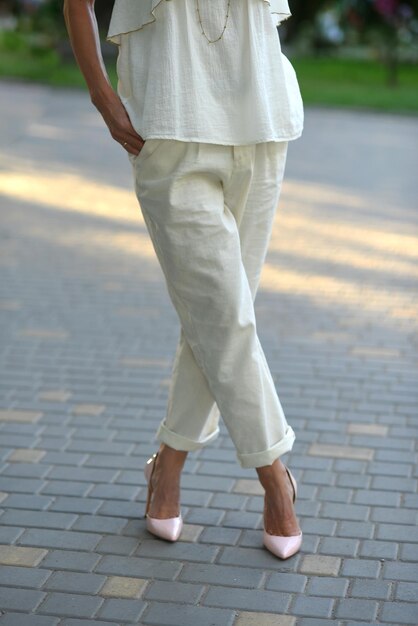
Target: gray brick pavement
(88, 337)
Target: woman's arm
(81, 23)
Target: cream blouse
(238, 90)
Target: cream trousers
(209, 211)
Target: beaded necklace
(203, 30)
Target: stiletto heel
(284, 546)
(169, 528)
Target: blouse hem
(226, 143)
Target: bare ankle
(174, 458)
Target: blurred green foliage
(336, 59)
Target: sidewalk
(88, 337)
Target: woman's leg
(209, 210)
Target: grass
(323, 81)
(356, 83)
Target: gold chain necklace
(203, 30)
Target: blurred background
(348, 53)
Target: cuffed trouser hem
(178, 442)
(267, 457)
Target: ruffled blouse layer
(130, 15)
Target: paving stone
(294, 583)
(393, 483)
(123, 587)
(393, 515)
(250, 599)
(17, 555)
(353, 608)
(23, 576)
(33, 502)
(204, 516)
(348, 452)
(174, 591)
(46, 519)
(55, 395)
(327, 586)
(116, 544)
(241, 519)
(350, 465)
(319, 477)
(26, 455)
(177, 550)
(26, 470)
(339, 546)
(325, 527)
(210, 483)
(122, 609)
(141, 567)
(407, 592)
(251, 538)
(192, 532)
(320, 564)
(11, 598)
(70, 604)
(88, 409)
(367, 429)
(218, 536)
(86, 622)
(249, 486)
(397, 532)
(345, 511)
(66, 488)
(210, 573)
(313, 621)
(313, 607)
(364, 568)
(20, 619)
(228, 501)
(400, 571)
(399, 613)
(170, 614)
(364, 588)
(389, 469)
(249, 618)
(409, 552)
(357, 530)
(261, 558)
(379, 549)
(83, 474)
(99, 523)
(356, 481)
(60, 539)
(75, 582)
(70, 560)
(376, 497)
(16, 415)
(334, 494)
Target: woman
(206, 104)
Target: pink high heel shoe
(284, 546)
(169, 528)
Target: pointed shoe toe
(283, 547)
(169, 528)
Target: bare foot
(165, 482)
(279, 514)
